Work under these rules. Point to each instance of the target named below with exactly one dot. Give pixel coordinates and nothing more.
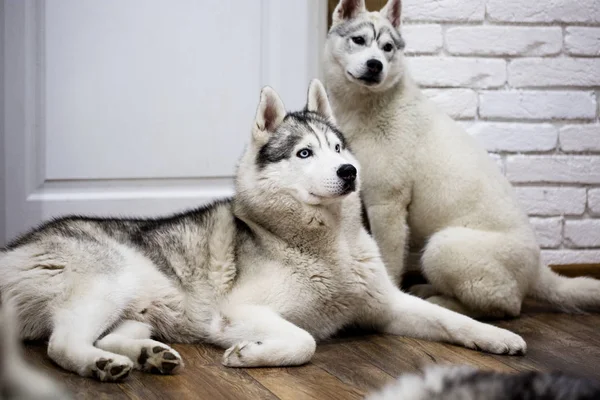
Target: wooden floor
(349, 366)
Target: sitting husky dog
(423, 171)
(18, 381)
(285, 263)
(466, 383)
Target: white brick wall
(523, 77)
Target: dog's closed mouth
(369, 80)
(349, 189)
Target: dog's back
(156, 260)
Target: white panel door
(141, 107)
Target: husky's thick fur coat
(422, 170)
(284, 263)
(466, 383)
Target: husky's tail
(570, 294)
(18, 380)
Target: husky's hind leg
(258, 337)
(132, 339)
(90, 311)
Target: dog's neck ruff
(348, 96)
(298, 225)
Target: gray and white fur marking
(467, 383)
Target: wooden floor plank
(383, 352)
(585, 327)
(350, 365)
(553, 349)
(308, 382)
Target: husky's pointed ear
(269, 115)
(392, 11)
(318, 101)
(347, 9)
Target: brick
(545, 201)
(553, 169)
(422, 39)
(548, 231)
(458, 103)
(562, 257)
(544, 72)
(443, 10)
(466, 125)
(497, 158)
(458, 72)
(583, 11)
(580, 137)
(582, 233)
(582, 41)
(593, 201)
(515, 137)
(496, 40)
(537, 104)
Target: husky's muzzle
(347, 172)
(373, 72)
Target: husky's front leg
(390, 230)
(407, 315)
(258, 337)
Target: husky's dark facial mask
(303, 153)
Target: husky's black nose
(347, 172)
(374, 66)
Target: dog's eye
(304, 153)
(388, 47)
(358, 40)
(338, 148)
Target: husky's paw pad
(111, 370)
(241, 354)
(160, 360)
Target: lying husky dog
(466, 383)
(19, 381)
(423, 171)
(285, 262)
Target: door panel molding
(292, 33)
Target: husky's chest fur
(316, 281)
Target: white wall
(2, 169)
(524, 76)
(140, 107)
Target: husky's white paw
(111, 369)
(242, 354)
(497, 340)
(159, 359)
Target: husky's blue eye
(359, 40)
(338, 148)
(304, 153)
